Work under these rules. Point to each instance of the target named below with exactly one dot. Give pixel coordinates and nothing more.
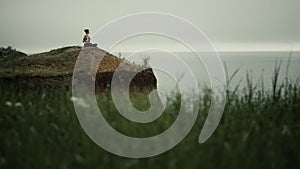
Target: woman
(86, 39)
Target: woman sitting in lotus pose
(87, 39)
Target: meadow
(259, 129)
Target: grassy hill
(56, 68)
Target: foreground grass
(259, 129)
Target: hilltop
(56, 68)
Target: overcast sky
(40, 25)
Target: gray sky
(40, 25)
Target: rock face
(55, 68)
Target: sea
(184, 71)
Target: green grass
(259, 129)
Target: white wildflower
(18, 104)
(8, 103)
(79, 101)
(73, 99)
(43, 96)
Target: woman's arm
(84, 39)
